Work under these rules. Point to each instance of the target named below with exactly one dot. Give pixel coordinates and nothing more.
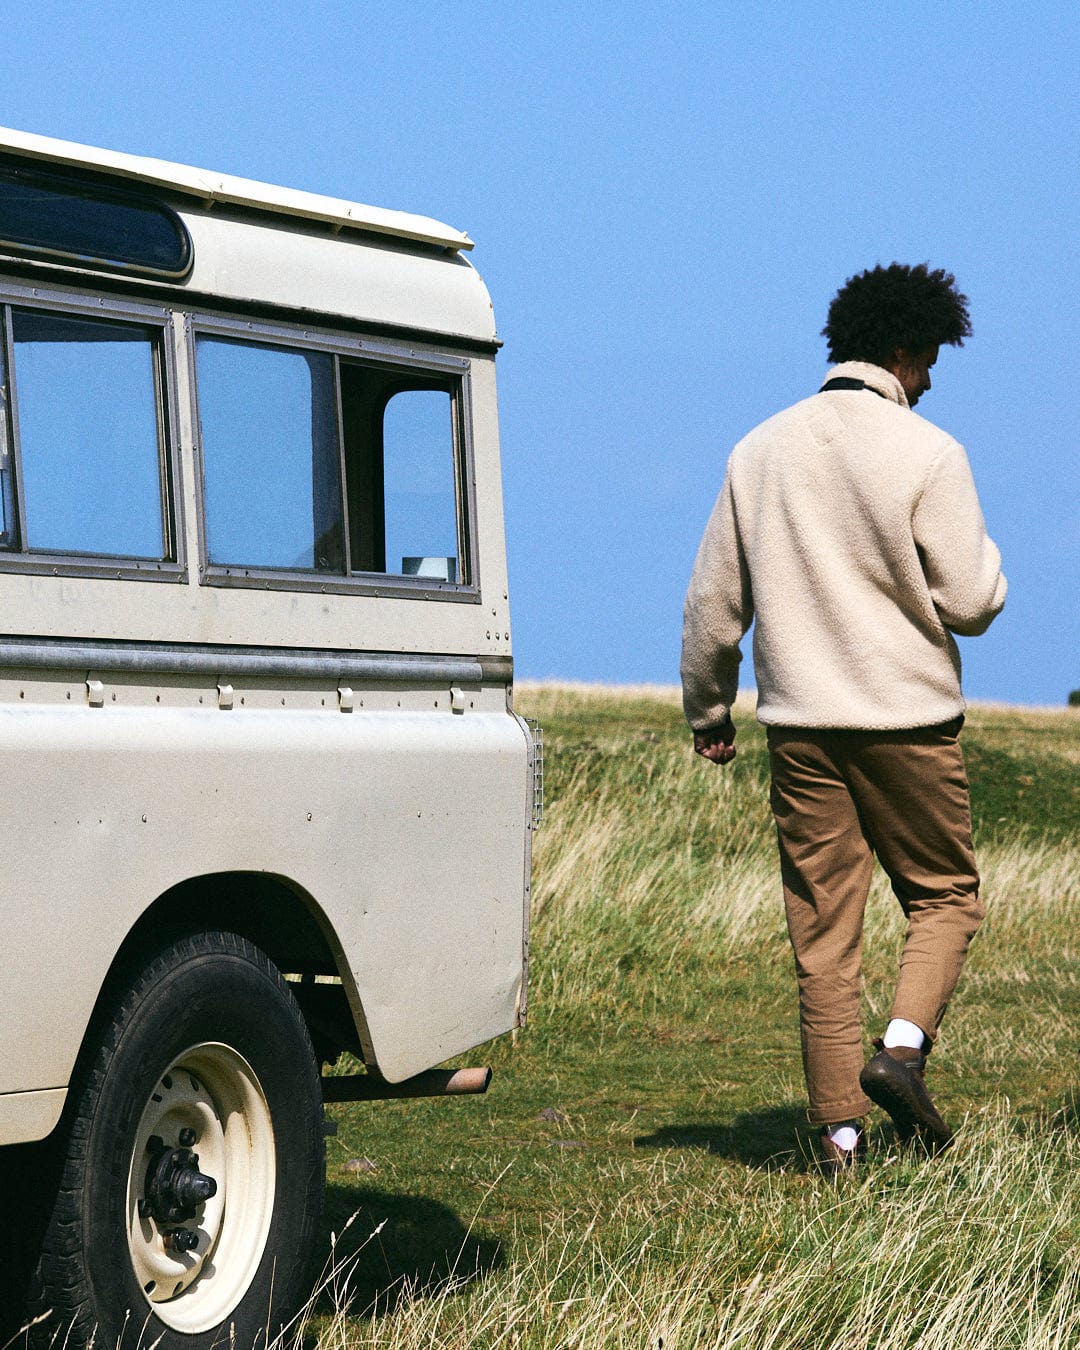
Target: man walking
(848, 529)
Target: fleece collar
(883, 382)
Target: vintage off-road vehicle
(267, 799)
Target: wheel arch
(277, 916)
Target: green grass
(639, 1171)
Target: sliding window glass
(89, 437)
(271, 457)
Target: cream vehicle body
(267, 796)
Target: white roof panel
(210, 187)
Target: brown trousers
(838, 798)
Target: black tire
(207, 1040)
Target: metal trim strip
(35, 653)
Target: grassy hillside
(639, 1173)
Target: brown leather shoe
(894, 1080)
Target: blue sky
(663, 198)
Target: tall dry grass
(979, 1251)
(657, 916)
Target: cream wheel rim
(210, 1099)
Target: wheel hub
(175, 1187)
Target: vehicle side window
(271, 463)
(6, 513)
(314, 462)
(418, 479)
(89, 438)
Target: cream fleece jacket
(849, 528)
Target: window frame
(403, 361)
(16, 557)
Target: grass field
(640, 1172)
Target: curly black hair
(892, 307)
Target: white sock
(844, 1136)
(899, 1032)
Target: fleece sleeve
(960, 561)
(719, 609)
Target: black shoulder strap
(846, 382)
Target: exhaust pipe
(369, 1087)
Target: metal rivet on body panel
(457, 699)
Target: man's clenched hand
(717, 743)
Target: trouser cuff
(833, 1113)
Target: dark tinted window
(52, 216)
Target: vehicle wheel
(194, 1168)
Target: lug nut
(180, 1240)
(187, 1137)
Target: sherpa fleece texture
(849, 528)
